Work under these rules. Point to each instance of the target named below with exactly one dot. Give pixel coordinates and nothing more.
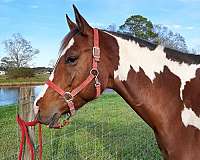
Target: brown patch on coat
(191, 93)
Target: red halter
(68, 97)
(94, 73)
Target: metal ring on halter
(94, 72)
(68, 97)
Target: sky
(43, 21)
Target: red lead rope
(25, 136)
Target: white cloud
(189, 1)
(189, 27)
(7, 1)
(176, 26)
(34, 6)
(164, 10)
(98, 25)
(173, 26)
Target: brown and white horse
(162, 85)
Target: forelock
(67, 39)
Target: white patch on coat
(190, 118)
(131, 54)
(70, 44)
(51, 77)
(41, 94)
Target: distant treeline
(26, 72)
(42, 69)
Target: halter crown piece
(94, 73)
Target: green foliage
(143, 28)
(37, 79)
(20, 72)
(6, 63)
(139, 26)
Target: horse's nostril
(38, 103)
(41, 119)
(36, 109)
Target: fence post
(26, 95)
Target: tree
(21, 72)
(143, 28)
(51, 65)
(198, 49)
(6, 63)
(20, 52)
(112, 28)
(169, 39)
(140, 27)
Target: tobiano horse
(160, 84)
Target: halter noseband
(94, 73)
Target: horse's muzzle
(50, 121)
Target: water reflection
(10, 95)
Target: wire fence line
(104, 129)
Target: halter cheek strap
(94, 73)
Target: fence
(103, 129)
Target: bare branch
(19, 50)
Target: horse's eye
(71, 60)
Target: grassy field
(37, 79)
(103, 129)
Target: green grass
(106, 128)
(39, 78)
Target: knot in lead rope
(25, 138)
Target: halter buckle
(96, 53)
(68, 97)
(94, 72)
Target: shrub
(20, 72)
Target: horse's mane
(172, 54)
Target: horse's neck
(159, 108)
(151, 79)
(147, 80)
(153, 105)
(152, 85)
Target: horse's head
(73, 69)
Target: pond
(10, 95)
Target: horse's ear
(82, 24)
(71, 24)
